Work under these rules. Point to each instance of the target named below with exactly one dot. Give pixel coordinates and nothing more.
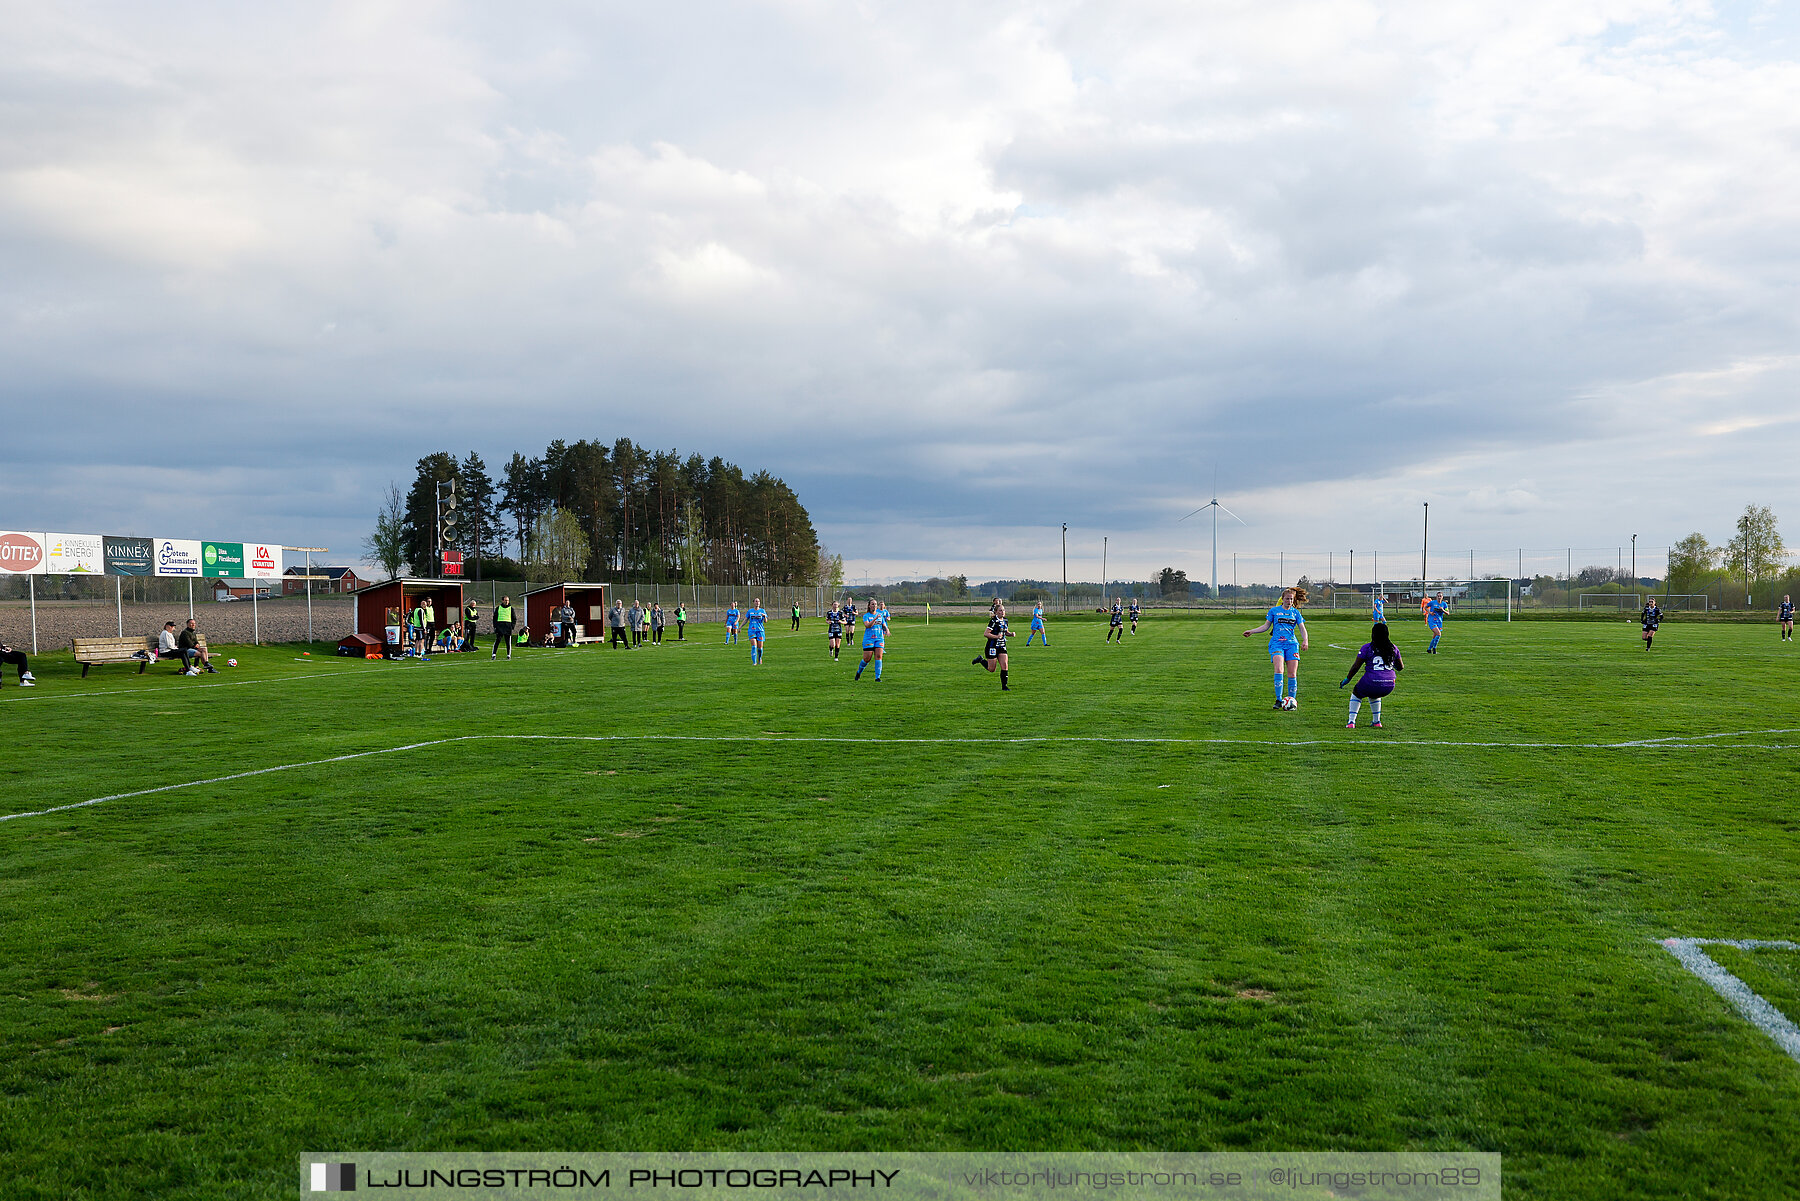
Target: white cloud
(982, 262)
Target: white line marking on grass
(1345, 743)
(1758, 1012)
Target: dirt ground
(280, 620)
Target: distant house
(339, 579)
(223, 589)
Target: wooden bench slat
(91, 652)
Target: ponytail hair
(1379, 639)
(1299, 594)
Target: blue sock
(878, 669)
(859, 668)
(1279, 677)
(1293, 685)
(1434, 640)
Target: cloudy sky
(959, 272)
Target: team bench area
(90, 652)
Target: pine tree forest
(649, 516)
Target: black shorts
(996, 647)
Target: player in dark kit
(834, 631)
(1651, 619)
(1117, 624)
(1787, 620)
(994, 655)
(1136, 612)
(1379, 661)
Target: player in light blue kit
(1037, 625)
(1434, 621)
(731, 624)
(756, 621)
(874, 640)
(1287, 638)
(1379, 615)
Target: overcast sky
(959, 272)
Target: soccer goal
(1631, 602)
(1402, 598)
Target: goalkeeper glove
(1343, 681)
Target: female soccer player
(756, 621)
(1651, 619)
(1117, 623)
(874, 640)
(1379, 614)
(834, 631)
(1287, 638)
(1379, 661)
(995, 653)
(1136, 612)
(1037, 625)
(1434, 621)
(1787, 620)
(731, 624)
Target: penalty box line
(1696, 743)
(1750, 1005)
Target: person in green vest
(471, 618)
(416, 629)
(796, 617)
(503, 627)
(681, 623)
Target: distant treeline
(603, 512)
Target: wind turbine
(1216, 507)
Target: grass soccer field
(659, 899)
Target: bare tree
(386, 547)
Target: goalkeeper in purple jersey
(1380, 664)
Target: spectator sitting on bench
(189, 641)
(168, 645)
(18, 660)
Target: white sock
(1375, 708)
(1355, 708)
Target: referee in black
(503, 627)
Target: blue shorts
(1286, 649)
(1435, 624)
(1364, 689)
(755, 632)
(1037, 623)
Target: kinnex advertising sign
(21, 554)
(129, 556)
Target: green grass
(1371, 941)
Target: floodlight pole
(1104, 587)
(1424, 545)
(1065, 587)
(1634, 575)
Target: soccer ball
(231, 662)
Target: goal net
(1401, 599)
(1631, 602)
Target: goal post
(1401, 598)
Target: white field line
(1758, 1012)
(1336, 743)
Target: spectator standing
(616, 618)
(471, 621)
(680, 623)
(656, 624)
(637, 623)
(503, 627)
(18, 660)
(565, 624)
(796, 617)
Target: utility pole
(1065, 588)
(1634, 575)
(1104, 587)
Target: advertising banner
(177, 556)
(129, 556)
(21, 554)
(262, 560)
(223, 559)
(74, 554)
